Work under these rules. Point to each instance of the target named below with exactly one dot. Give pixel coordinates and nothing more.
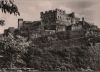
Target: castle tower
(53, 19)
(48, 19)
(20, 23)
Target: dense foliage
(11, 49)
(57, 58)
(47, 56)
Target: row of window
(63, 18)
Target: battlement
(61, 11)
(46, 12)
(52, 11)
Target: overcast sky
(30, 10)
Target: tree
(12, 49)
(9, 6)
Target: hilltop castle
(54, 21)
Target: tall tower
(48, 19)
(54, 20)
(20, 23)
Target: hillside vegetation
(47, 54)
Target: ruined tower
(20, 23)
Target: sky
(30, 10)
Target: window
(58, 17)
(67, 18)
